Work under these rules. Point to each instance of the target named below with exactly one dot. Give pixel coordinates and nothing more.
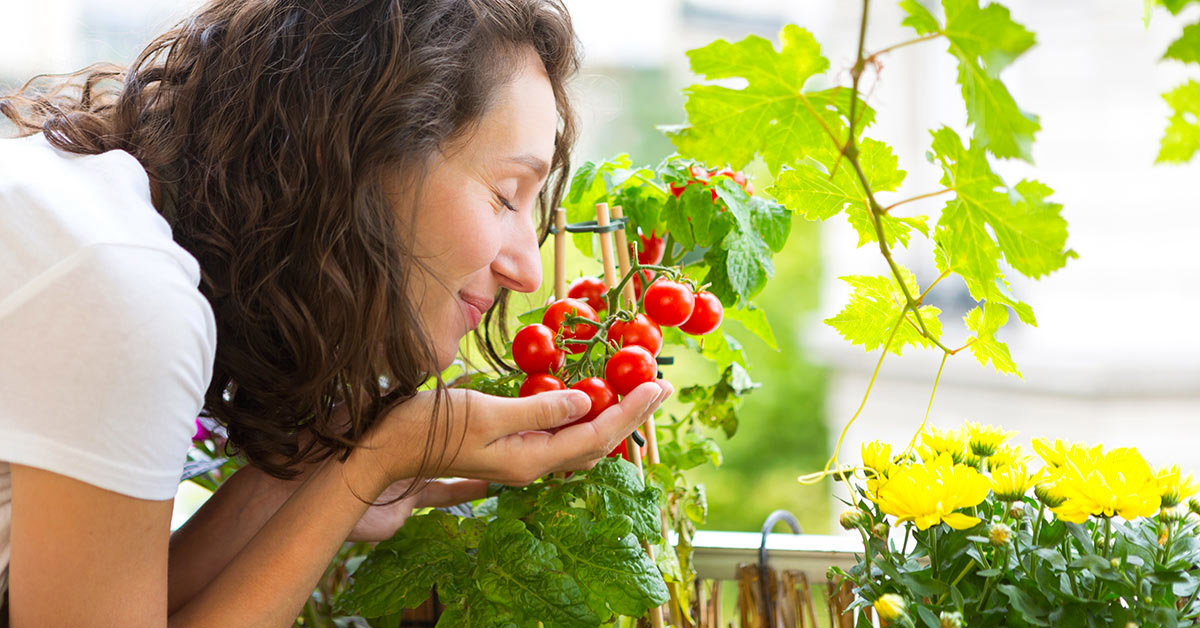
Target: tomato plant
(534, 350)
(706, 316)
(641, 331)
(540, 383)
(590, 290)
(600, 393)
(629, 368)
(669, 303)
(557, 314)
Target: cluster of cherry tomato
(632, 340)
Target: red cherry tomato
(641, 331)
(629, 368)
(540, 383)
(534, 351)
(706, 316)
(699, 175)
(590, 290)
(669, 303)
(557, 313)
(622, 449)
(653, 249)
(602, 395)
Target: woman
(288, 214)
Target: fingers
(584, 443)
(547, 411)
(443, 493)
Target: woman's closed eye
(505, 202)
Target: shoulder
(53, 203)
(109, 355)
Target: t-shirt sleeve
(104, 361)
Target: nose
(519, 263)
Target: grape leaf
(985, 41)
(874, 309)
(1187, 47)
(1029, 231)
(771, 115)
(524, 575)
(615, 572)
(818, 196)
(999, 292)
(984, 321)
(1182, 137)
(427, 549)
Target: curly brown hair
(268, 129)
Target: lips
(474, 306)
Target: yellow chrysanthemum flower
(1005, 456)
(877, 456)
(1045, 490)
(928, 494)
(984, 440)
(1055, 453)
(953, 442)
(1174, 486)
(890, 607)
(1010, 482)
(1093, 482)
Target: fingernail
(576, 403)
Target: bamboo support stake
(611, 280)
(623, 262)
(560, 253)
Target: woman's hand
(508, 440)
(381, 522)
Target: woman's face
(475, 227)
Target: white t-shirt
(106, 344)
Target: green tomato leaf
(755, 321)
(1182, 137)
(984, 321)
(615, 488)
(874, 310)
(608, 562)
(602, 182)
(985, 41)
(524, 574)
(771, 115)
(427, 549)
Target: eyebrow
(537, 164)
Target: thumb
(550, 410)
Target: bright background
(1116, 356)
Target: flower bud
(852, 519)
(1115, 563)
(1132, 625)
(890, 607)
(1169, 514)
(950, 619)
(1046, 494)
(1194, 506)
(880, 530)
(1017, 511)
(999, 534)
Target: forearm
(268, 580)
(210, 539)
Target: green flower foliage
(1181, 139)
